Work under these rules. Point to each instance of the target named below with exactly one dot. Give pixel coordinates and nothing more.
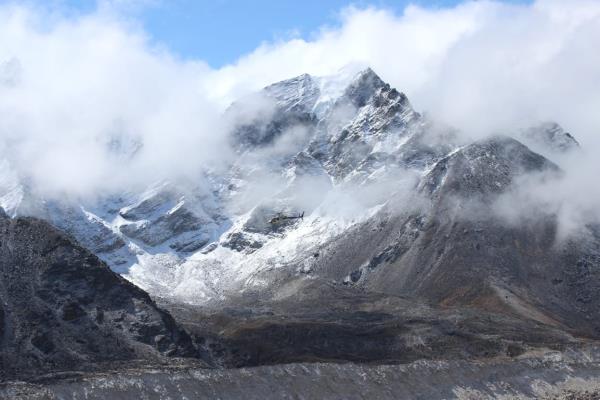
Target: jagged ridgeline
(329, 147)
(347, 227)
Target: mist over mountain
(82, 93)
(341, 198)
(173, 225)
(340, 150)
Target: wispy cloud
(480, 66)
(73, 89)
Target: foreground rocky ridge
(61, 308)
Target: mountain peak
(363, 86)
(299, 80)
(369, 73)
(303, 92)
(551, 136)
(295, 94)
(485, 167)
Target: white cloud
(480, 65)
(71, 89)
(69, 85)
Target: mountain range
(344, 227)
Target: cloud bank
(88, 103)
(91, 102)
(480, 66)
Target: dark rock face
(149, 206)
(362, 89)
(95, 236)
(164, 227)
(240, 241)
(62, 308)
(166, 216)
(483, 169)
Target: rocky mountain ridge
(330, 147)
(348, 227)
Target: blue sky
(220, 31)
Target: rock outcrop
(61, 308)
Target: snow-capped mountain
(300, 143)
(347, 227)
(346, 152)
